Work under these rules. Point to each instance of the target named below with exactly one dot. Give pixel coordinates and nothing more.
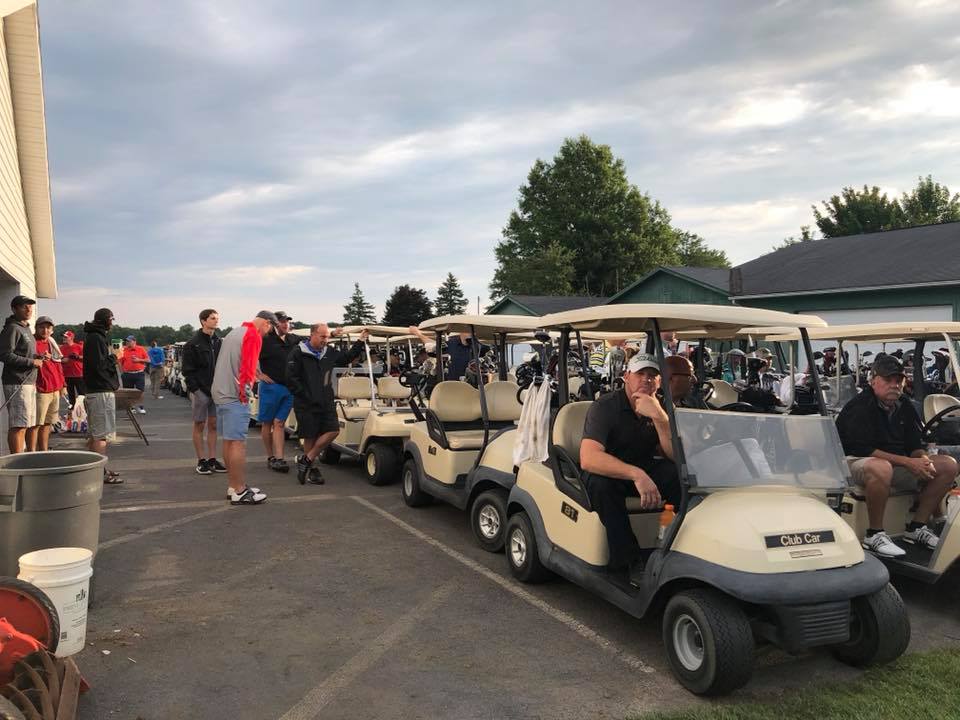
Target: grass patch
(924, 685)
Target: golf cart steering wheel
(739, 406)
(705, 389)
(409, 379)
(930, 427)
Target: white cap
(642, 360)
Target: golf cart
(756, 549)
(940, 414)
(461, 451)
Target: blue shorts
(233, 421)
(275, 401)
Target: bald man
(310, 378)
(681, 377)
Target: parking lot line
(316, 699)
(571, 622)
(173, 505)
(162, 526)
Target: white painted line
(571, 622)
(173, 505)
(163, 526)
(320, 696)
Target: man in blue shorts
(274, 399)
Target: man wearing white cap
(627, 452)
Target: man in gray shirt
(18, 352)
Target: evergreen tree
(358, 311)
(406, 306)
(450, 297)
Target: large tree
(853, 212)
(407, 306)
(692, 251)
(450, 297)
(358, 311)
(580, 209)
(929, 203)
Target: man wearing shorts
(274, 398)
(101, 379)
(51, 386)
(235, 372)
(72, 366)
(880, 432)
(18, 352)
(311, 378)
(197, 364)
(133, 363)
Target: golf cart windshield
(732, 449)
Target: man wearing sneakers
(101, 378)
(235, 372)
(274, 398)
(310, 377)
(197, 364)
(880, 432)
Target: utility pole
(478, 304)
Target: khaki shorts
(48, 407)
(903, 479)
(21, 405)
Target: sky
(248, 155)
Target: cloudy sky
(243, 154)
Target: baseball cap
(44, 320)
(764, 352)
(641, 361)
(68, 333)
(131, 337)
(267, 315)
(22, 300)
(887, 365)
(282, 316)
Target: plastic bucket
(64, 575)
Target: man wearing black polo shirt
(880, 432)
(626, 451)
(274, 399)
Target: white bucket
(64, 575)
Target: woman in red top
(50, 387)
(72, 366)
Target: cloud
(764, 109)
(917, 91)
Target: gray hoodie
(18, 350)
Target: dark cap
(282, 316)
(44, 320)
(887, 365)
(22, 300)
(832, 349)
(267, 315)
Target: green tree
(581, 208)
(929, 203)
(692, 251)
(407, 306)
(450, 298)
(854, 212)
(805, 236)
(358, 311)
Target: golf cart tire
(17, 597)
(494, 502)
(724, 635)
(879, 629)
(524, 562)
(384, 460)
(330, 456)
(410, 490)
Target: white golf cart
(755, 550)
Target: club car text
(793, 539)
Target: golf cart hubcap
(688, 642)
(371, 464)
(489, 521)
(518, 548)
(408, 483)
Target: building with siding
(704, 285)
(537, 305)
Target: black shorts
(313, 422)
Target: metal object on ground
(45, 687)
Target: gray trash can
(48, 499)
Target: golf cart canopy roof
(633, 318)
(380, 333)
(529, 337)
(878, 332)
(756, 333)
(486, 326)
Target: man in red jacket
(72, 366)
(50, 387)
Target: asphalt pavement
(341, 602)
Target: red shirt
(72, 368)
(50, 377)
(127, 356)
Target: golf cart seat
(503, 410)
(349, 390)
(723, 394)
(454, 417)
(390, 389)
(936, 403)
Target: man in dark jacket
(197, 363)
(18, 352)
(274, 400)
(311, 379)
(101, 380)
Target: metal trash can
(48, 499)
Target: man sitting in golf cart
(626, 451)
(880, 432)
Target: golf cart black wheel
(9, 711)
(488, 519)
(708, 640)
(381, 464)
(413, 496)
(522, 554)
(30, 610)
(879, 629)
(330, 456)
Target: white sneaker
(922, 536)
(142, 411)
(230, 491)
(159, 397)
(881, 544)
(249, 496)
